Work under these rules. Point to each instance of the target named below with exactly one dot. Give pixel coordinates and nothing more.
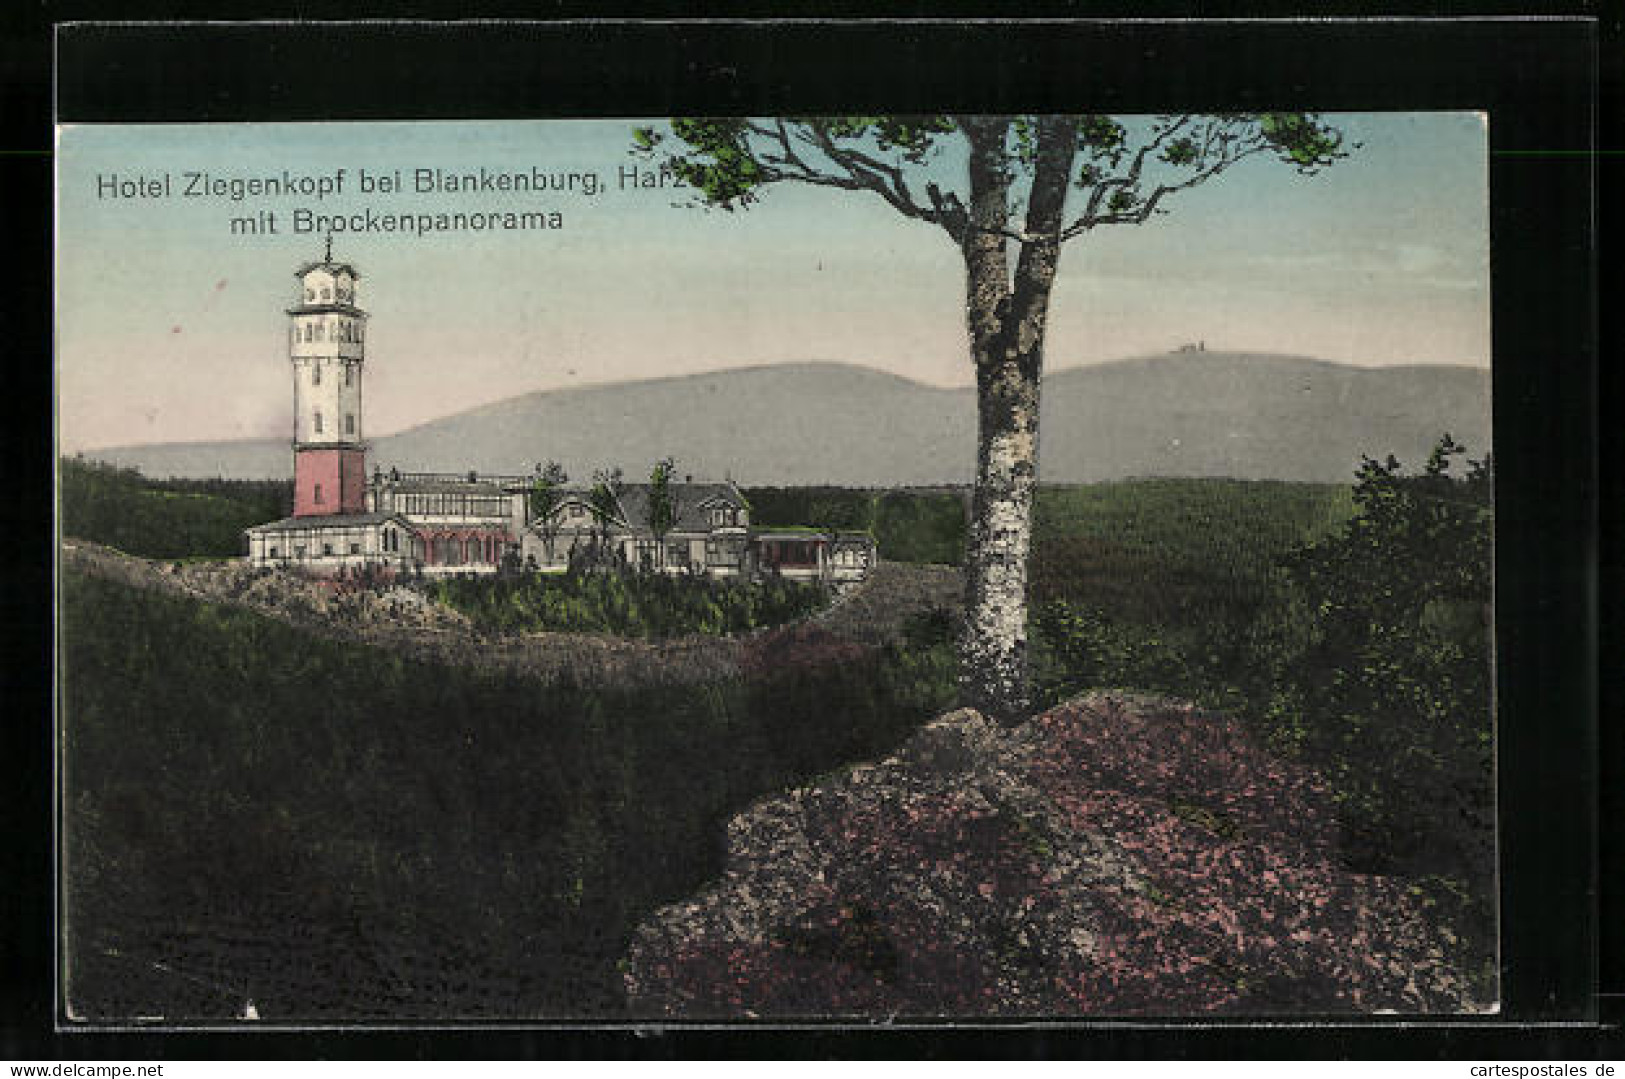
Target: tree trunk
(1006, 324)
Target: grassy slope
(332, 831)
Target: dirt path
(404, 620)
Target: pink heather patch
(1103, 859)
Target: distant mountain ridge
(1245, 416)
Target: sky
(171, 325)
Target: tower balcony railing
(398, 476)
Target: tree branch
(1221, 146)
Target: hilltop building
(438, 523)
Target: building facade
(439, 523)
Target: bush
(627, 604)
(1391, 694)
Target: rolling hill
(1189, 414)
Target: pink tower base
(328, 481)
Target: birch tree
(1008, 192)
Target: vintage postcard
(775, 569)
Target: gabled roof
(692, 499)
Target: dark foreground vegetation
(328, 830)
(333, 830)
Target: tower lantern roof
(332, 267)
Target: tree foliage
(546, 493)
(1125, 169)
(1392, 696)
(663, 508)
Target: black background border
(1537, 79)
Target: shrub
(628, 604)
(1391, 694)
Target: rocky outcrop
(1114, 856)
(406, 621)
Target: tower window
(316, 496)
(349, 423)
(318, 420)
(316, 374)
(349, 375)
